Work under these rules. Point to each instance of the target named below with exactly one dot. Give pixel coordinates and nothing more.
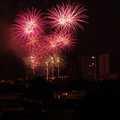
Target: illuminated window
(58, 97)
(93, 57)
(65, 93)
(93, 63)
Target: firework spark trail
(32, 62)
(28, 23)
(28, 32)
(52, 44)
(32, 43)
(67, 16)
(53, 59)
(58, 42)
(39, 53)
(65, 40)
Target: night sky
(101, 35)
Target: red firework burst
(51, 44)
(28, 23)
(67, 16)
(60, 41)
(31, 43)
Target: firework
(28, 23)
(32, 62)
(52, 64)
(66, 40)
(44, 50)
(67, 16)
(57, 42)
(31, 43)
(51, 44)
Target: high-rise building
(103, 65)
(99, 67)
(87, 67)
(109, 66)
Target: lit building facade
(99, 67)
(88, 67)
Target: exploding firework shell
(67, 16)
(32, 43)
(28, 23)
(60, 41)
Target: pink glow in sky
(28, 23)
(67, 16)
(59, 41)
(63, 20)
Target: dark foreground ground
(37, 102)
